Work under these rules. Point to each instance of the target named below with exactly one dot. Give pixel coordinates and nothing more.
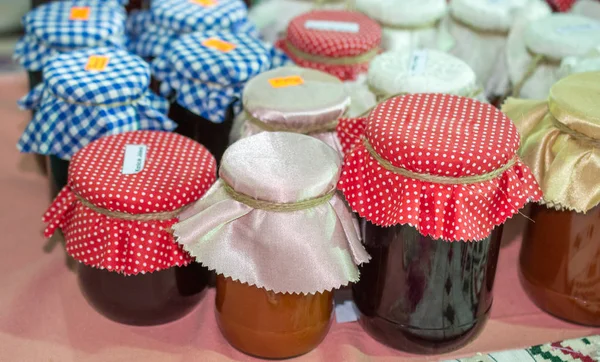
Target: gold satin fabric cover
(560, 139)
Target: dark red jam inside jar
(144, 299)
(423, 295)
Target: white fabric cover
(484, 50)
(587, 8)
(408, 13)
(586, 63)
(556, 36)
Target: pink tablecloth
(43, 317)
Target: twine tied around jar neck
(305, 130)
(462, 180)
(102, 105)
(535, 62)
(351, 60)
(475, 29)
(587, 140)
(275, 206)
(414, 27)
(154, 216)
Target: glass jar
(400, 302)
(116, 222)
(143, 299)
(204, 95)
(274, 284)
(560, 252)
(567, 283)
(433, 177)
(293, 324)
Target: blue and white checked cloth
(207, 81)
(75, 107)
(49, 31)
(151, 32)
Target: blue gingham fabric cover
(152, 31)
(207, 81)
(74, 106)
(49, 31)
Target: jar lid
(560, 35)
(62, 26)
(295, 99)
(490, 15)
(561, 139)
(276, 193)
(338, 42)
(441, 163)
(97, 76)
(124, 192)
(186, 16)
(421, 71)
(411, 13)
(208, 70)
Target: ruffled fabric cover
(407, 25)
(306, 251)
(414, 132)
(183, 171)
(556, 37)
(482, 44)
(566, 167)
(74, 107)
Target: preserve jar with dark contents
(124, 194)
(560, 254)
(433, 177)
(280, 239)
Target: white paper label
(346, 312)
(341, 26)
(418, 62)
(135, 158)
(577, 28)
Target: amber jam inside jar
(271, 325)
(144, 299)
(560, 263)
(213, 136)
(423, 295)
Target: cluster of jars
(192, 149)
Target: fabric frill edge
(436, 232)
(66, 203)
(561, 207)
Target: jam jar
(537, 54)
(293, 99)
(560, 254)
(204, 74)
(422, 71)
(279, 237)
(433, 178)
(124, 194)
(88, 94)
(409, 25)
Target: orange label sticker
(219, 45)
(205, 3)
(290, 81)
(97, 63)
(80, 13)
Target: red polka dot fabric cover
(561, 5)
(331, 43)
(177, 171)
(441, 135)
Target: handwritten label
(97, 63)
(219, 45)
(134, 160)
(283, 82)
(205, 3)
(330, 25)
(418, 62)
(581, 28)
(79, 13)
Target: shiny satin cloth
(560, 139)
(305, 251)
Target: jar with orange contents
(560, 255)
(123, 195)
(280, 239)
